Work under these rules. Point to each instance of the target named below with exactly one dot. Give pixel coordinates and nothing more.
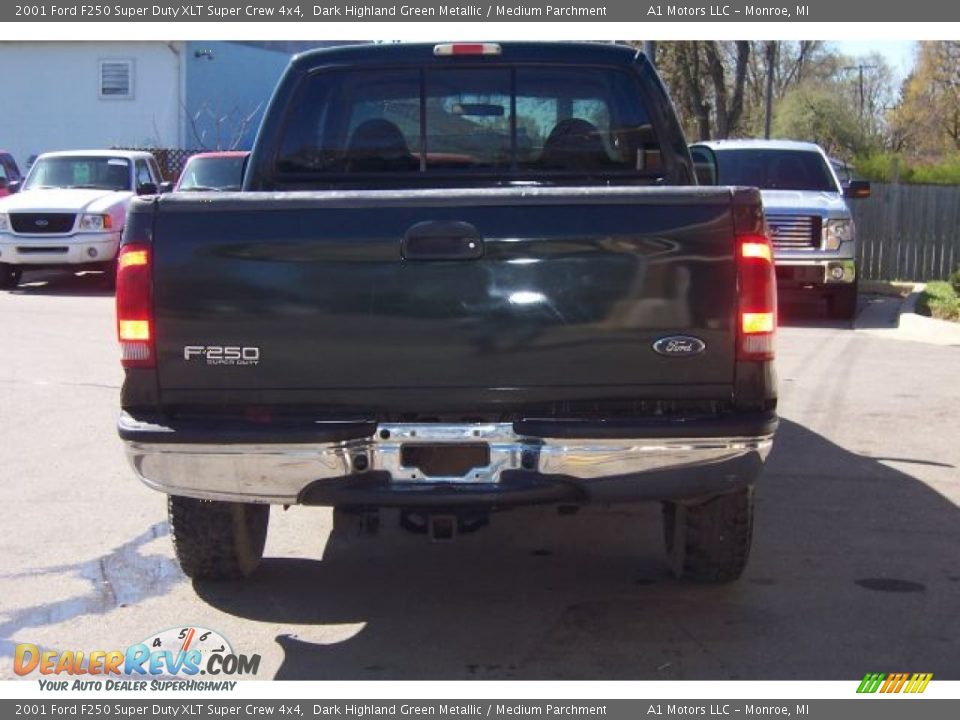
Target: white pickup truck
(70, 211)
(805, 207)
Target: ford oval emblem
(41, 223)
(679, 346)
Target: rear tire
(709, 542)
(9, 276)
(216, 540)
(842, 303)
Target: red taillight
(134, 314)
(757, 314)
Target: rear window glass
(775, 169)
(463, 120)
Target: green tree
(811, 112)
(719, 88)
(927, 121)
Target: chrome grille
(794, 232)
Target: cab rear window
(523, 120)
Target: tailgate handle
(442, 240)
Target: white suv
(71, 209)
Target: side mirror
(856, 189)
(165, 187)
(704, 165)
(14, 186)
(148, 188)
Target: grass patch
(939, 300)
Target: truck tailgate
(367, 301)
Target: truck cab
(805, 206)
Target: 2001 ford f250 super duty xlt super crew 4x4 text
(458, 279)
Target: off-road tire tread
(716, 538)
(216, 540)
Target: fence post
(890, 267)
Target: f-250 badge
(222, 354)
(679, 346)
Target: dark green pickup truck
(459, 278)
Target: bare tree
(708, 79)
(229, 128)
(728, 104)
(688, 57)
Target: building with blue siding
(228, 86)
(66, 95)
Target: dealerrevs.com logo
(169, 660)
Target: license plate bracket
(452, 460)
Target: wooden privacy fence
(908, 232)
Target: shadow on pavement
(879, 312)
(855, 568)
(88, 283)
(874, 312)
(797, 310)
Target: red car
(213, 171)
(9, 174)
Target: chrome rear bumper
(587, 469)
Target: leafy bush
(945, 172)
(939, 300)
(879, 168)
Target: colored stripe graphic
(919, 682)
(871, 682)
(890, 685)
(894, 683)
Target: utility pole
(860, 68)
(771, 67)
